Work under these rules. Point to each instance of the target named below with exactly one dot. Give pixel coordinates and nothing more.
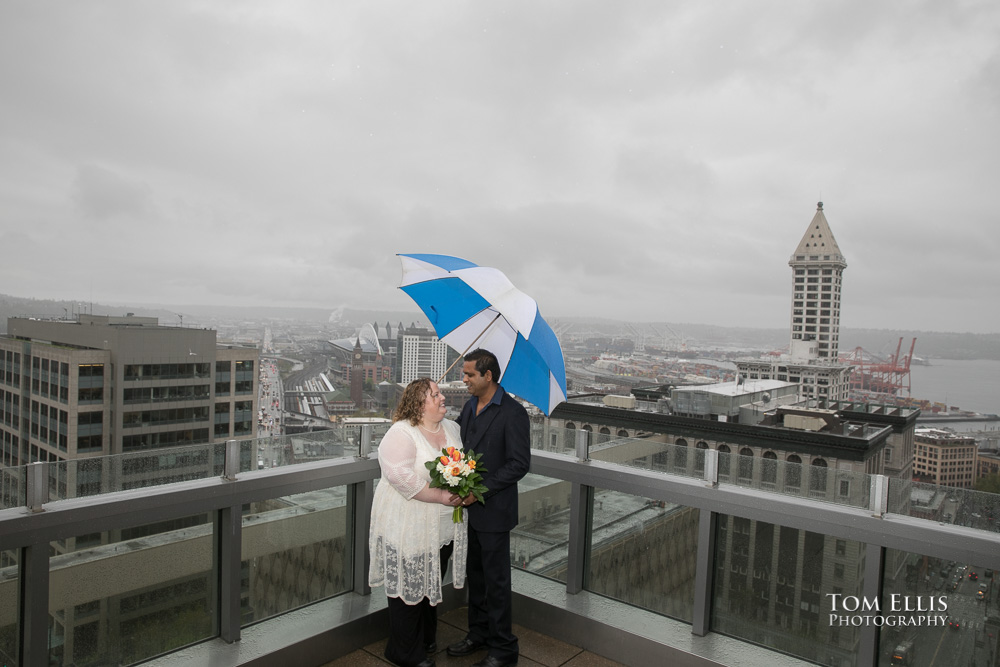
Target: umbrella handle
(468, 348)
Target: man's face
(474, 382)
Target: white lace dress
(407, 534)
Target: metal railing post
(711, 466)
(34, 604)
(232, 464)
(37, 486)
(365, 448)
(869, 637)
(704, 572)
(879, 498)
(229, 555)
(581, 522)
(583, 445)
(359, 513)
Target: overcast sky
(646, 161)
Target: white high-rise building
(420, 354)
(813, 353)
(817, 267)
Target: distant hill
(881, 342)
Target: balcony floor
(537, 650)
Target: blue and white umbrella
(473, 306)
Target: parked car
(981, 593)
(954, 623)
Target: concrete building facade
(944, 458)
(420, 354)
(101, 385)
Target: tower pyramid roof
(818, 240)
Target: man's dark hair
(485, 361)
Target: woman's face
(434, 404)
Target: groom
(496, 426)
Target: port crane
(875, 375)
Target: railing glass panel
(120, 597)
(648, 454)
(549, 438)
(772, 587)
(817, 482)
(643, 552)
(540, 542)
(946, 504)
(12, 484)
(937, 612)
(106, 474)
(377, 430)
(296, 551)
(9, 584)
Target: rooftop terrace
(627, 559)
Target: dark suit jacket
(500, 433)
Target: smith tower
(817, 267)
(812, 361)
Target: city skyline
(643, 162)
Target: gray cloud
(641, 161)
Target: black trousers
(490, 599)
(413, 627)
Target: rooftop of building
(739, 387)
(941, 436)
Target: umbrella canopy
(477, 306)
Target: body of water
(970, 385)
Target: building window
(793, 472)
(817, 476)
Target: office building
(944, 458)
(102, 385)
(419, 353)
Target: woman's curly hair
(411, 403)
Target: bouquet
(458, 472)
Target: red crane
(881, 377)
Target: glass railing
(296, 550)
(12, 486)
(98, 475)
(772, 587)
(123, 596)
(842, 487)
(951, 612)
(125, 592)
(945, 504)
(9, 585)
(540, 542)
(643, 552)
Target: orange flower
(472, 463)
(454, 471)
(445, 461)
(456, 455)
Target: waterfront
(968, 384)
